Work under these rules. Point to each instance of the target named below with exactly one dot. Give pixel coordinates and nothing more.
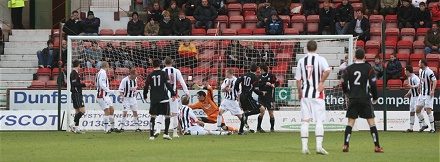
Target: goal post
(206, 64)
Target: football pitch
(279, 146)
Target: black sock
(375, 135)
(347, 135)
(260, 119)
(252, 112)
(152, 122)
(272, 122)
(167, 125)
(77, 117)
(241, 125)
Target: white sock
(421, 119)
(159, 120)
(175, 123)
(431, 120)
(124, 119)
(319, 132)
(106, 124)
(411, 122)
(112, 121)
(213, 132)
(305, 135)
(219, 122)
(136, 122)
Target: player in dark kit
(77, 97)
(156, 81)
(249, 84)
(267, 84)
(360, 77)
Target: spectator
(124, 56)
(93, 56)
(416, 3)
(405, 15)
(343, 17)
(252, 54)
(311, 7)
(63, 55)
(264, 13)
(191, 6)
(267, 55)
(72, 26)
(378, 67)
(188, 54)
(156, 12)
(344, 64)
(388, 7)
(139, 56)
(371, 7)
(153, 53)
(135, 26)
(219, 5)
(422, 17)
(182, 26)
(90, 26)
(432, 39)
(205, 15)
(174, 11)
(360, 27)
(152, 28)
(435, 13)
(235, 54)
(166, 25)
(326, 18)
(149, 4)
(274, 25)
(45, 57)
(171, 50)
(16, 12)
(394, 68)
(282, 7)
(109, 54)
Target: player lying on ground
(128, 92)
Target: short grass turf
(285, 146)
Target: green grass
(131, 146)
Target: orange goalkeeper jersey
(208, 106)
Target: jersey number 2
(358, 76)
(156, 80)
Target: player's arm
(298, 79)
(122, 89)
(256, 88)
(344, 81)
(276, 81)
(373, 86)
(147, 85)
(103, 83)
(327, 70)
(237, 84)
(168, 84)
(224, 86)
(197, 105)
(434, 84)
(182, 82)
(74, 80)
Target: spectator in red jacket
(156, 12)
(435, 13)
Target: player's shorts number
(358, 76)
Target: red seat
(198, 32)
(114, 84)
(200, 71)
(122, 71)
(90, 71)
(290, 31)
(312, 23)
(392, 34)
(294, 5)
(404, 46)
(376, 33)
(259, 31)
(212, 32)
(55, 73)
(249, 9)
(279, 70)
(360, 44)
(244, 31)
(229, 32)
(357, 6)
(38, 84)
(394, 84)
(379, 84)
(234, 9)
(52, 84)
(391, 21)
(390, 46)
(140, 70)
(376, 21)
(435, 70)
(283, 57)
(298, 22)
(106, 32)
(223, 20)
(438, 85)
(186, 70)
(91, 82)
(415, 58)
(44, 74)
(403, 58)
(251, 21)
(121, 32)
(372, 46)
(110, 73)
(419, 46)
(421, 33)
(286, 20)
(370, 57)
(433, 60)
(405, 84)
(141, 82)
(408, 34)
(235, 22)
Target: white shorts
(105, 102)
(231, 106)
(197, 130)
(426, 101)
(413, 104)
(313, 108)
(129, 103)
(174, 106)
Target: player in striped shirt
(128, 92)
(191, 125)
(229, 103)
(175, 76)
(428, 83)
(413, 93)
(104, 101)
(311, 73)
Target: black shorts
(206, 120)
(160, 109)
(248, 103)
(77, 99)
(360, 108)
(267, 104)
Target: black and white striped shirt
(426, 78)
(175, 75)
(310, 70)
(128, 86)
(230, 94)
(187, 118)
(414, 81)
(102, 85)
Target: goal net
(202, 60)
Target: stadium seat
(231, 1)
(149, 70)
(186, 70)
(259, 31)
(44, 74)
(213, 83)
(408, 34)
(372, 46)
(435, 70)
(403, 58)
(229, 32)
(416, 70)
(357, 6)
(198, 32)
(390, 46)
(244, 31)
(110, 73)
(298, 22)
(90, 71)
(286, 20)
(433, 60)
(287, 46)
(421, 33)
(392, 34)
(234, 9)
(294, 5)
(419, 46)
(141, 82)
(405, 84)
(223, 20)
(283, 57)
(250, 21)
(235, 22)
(56, 44)
(376, 21)
(312, 24)
(290, 31)
(122, 71)
(212, 32)
(249, 9)
(121, 32)
(404, 46)
(360, 44)
(114, 84)
(415, 58)
(379, 84)
(37, 84)
(376, 34)
(192, 19)
(438, 86)
(370, 57)
(52, 84)
(140, 70)
(162, 44)
(106, 32)
(391, 21)
(55, 73)
(394, 84)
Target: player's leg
(166, 112)
(134, 109)
(244, 117)
(112, 119)
(82, 111)
(319, 116)
(174, 108)
(220, 118)
(105, 107)
(412, 112)
(159, 120)
(153, 114)
(260, 118)
(124, 120)
(305, 121)
(429, 103)
(352, 115)
(420, 105)
(367, 112)
(272, 120)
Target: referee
(77, 97)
